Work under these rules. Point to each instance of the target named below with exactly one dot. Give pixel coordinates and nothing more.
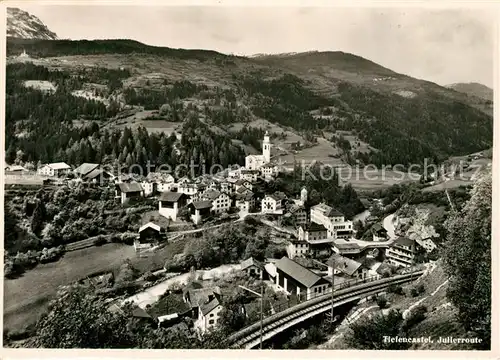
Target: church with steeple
(255, 162)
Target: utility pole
(261, 311)
(333, 287)
(261, 295)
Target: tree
(232, 318)
(77, 319)
(185, 214)
(38, 217)
(368, 334)
(467, 258)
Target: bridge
(249, 337)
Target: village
(322, 251)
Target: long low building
(298, 280)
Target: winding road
(389, 225)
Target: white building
(297, 248)
(163, 181)
(249, 175)
(190, 189)
(270, 170)
(221, 202)
(298, 280)
(170, 204)
(340, 265)
(200, 210)
(255, 162)
(273, 204)
(402, 252)
(127, 191)
(303, 196)
(427, 244)
(333, 220)
(245, 202)
(206, 304)
(148, 187)
(55, 169)
(226, 187)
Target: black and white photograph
(248, 176)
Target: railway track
(249, 337)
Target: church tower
(266, 148)
(303, 196)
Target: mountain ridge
(474, 89)
(21, 24)
(312, 94)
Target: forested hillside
(401, 127)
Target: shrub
(148, 276)
(115, 238)
(395, 289)
(414, 292)
(386, 274)
(417, 315)
(421, 289)
(381, 302)
(101, 240)
(128, 238)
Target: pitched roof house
(298, 280)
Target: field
(23, 179)
(448, 185)
(139, 119)
(27, 297)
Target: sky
(443, 46)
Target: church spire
(266, 148)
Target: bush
(395, 289)
(115, 238)
(386, 274)
(421, 289)
(381, 302)
(148, 276)
(101, 240)
(417, 315)
(128, 238)
(416, 291)
(127, 288)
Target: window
(211, 322)
(211, 315)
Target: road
(389, 225)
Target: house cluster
(320, 231)
(203, 198)
(306, 278)
(325, 232)
(299, 279)
(403, 251)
